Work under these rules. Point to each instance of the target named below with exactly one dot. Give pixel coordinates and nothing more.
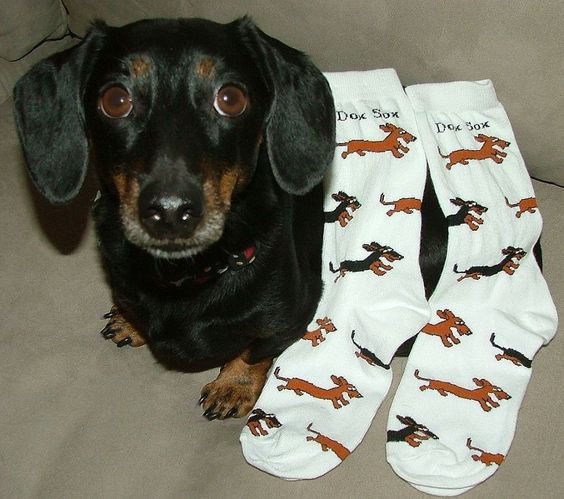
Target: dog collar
(233, 261)
(202, 273)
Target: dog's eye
(115, 102)
(231, 101)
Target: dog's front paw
(223, 399)
(236, 389)
(120, 330)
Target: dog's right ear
(49, 114)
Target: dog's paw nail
(210, 415)
(108, 332)
(109, 314)
(231, 413)
(125, 341)
(202, 399)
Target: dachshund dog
(209, 142)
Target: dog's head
(175, 115)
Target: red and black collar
(201, 270)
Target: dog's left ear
(300, 128)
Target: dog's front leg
(236, 389)
(121, 330)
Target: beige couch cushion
(24, 26)
(26, 23)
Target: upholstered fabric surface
(29, 31)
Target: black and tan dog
(209, 142)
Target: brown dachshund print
(316, 335)
(256, 420)
(485, 457)
(444, 328)
(391, 143)
(328, 444)
(334, 394)
(402, 205)
(487, 151)
(526, 205)
(482, 394)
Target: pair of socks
(453, 416)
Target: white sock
(326, 388)
(490, 317)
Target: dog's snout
(167, 214)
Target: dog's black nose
(170, 214)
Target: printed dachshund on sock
(487, 151)
(413, 433)
(482, 394)
(391, 143)
(509, 265)
(372, 262)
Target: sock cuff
(364, 85)
(453, 96)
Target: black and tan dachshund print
(374, 261)
(508, 264)
(367, 355)
(341, 213)
(256, 420)
(395, 142)
(469, 214)
(511, 354)
(413, 433)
